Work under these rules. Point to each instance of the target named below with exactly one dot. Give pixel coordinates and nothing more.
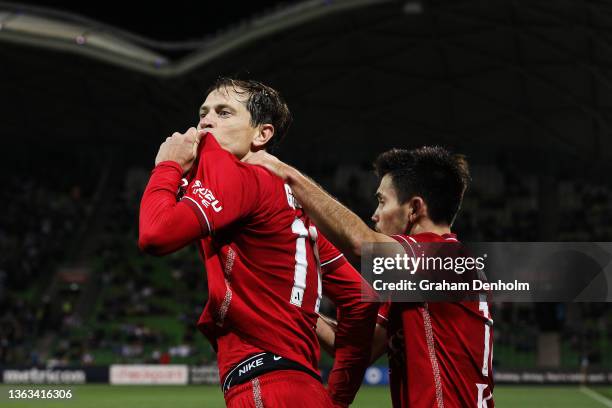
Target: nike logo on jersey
(250, 366)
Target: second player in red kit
(434, 347)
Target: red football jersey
(267, 268)
(440, 353)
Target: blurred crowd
(38, 224)
(144, 309)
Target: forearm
(326, 332)
(341, 226)
(352, 337)
(379, 343)
(353, 342)
(165, 225)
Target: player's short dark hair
(265, 104)
(431, 172)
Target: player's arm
(379, 343)
(326, 332)
(353, 334)
(341, 226)
(166, 225)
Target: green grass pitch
(105, 396)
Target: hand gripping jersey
(267, 266)
(440, 353)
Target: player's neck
(428, 226)
(246, 156)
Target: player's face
(391, 217)
(224, 114)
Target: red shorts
(282, 388)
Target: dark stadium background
(523, 88)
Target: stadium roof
(528, 76)
(70, 32)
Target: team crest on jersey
(207, 198)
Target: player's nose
(206, 122)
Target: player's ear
(417, 208)
(263, 136)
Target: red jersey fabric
(267, 266)
(440, 353)
(274, 389)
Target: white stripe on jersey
(406, 241)
(431, 348)
(203, 213)
(331, 260)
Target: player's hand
(270, 162)
(181, 148)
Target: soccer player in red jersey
(267, 265)
(440, 353)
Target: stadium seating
(144, 308)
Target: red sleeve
(329, 255)
(223, 189)
(356, 321)
(383, 314)
(165, 225)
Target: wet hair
(264, 104)
(431, 172)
